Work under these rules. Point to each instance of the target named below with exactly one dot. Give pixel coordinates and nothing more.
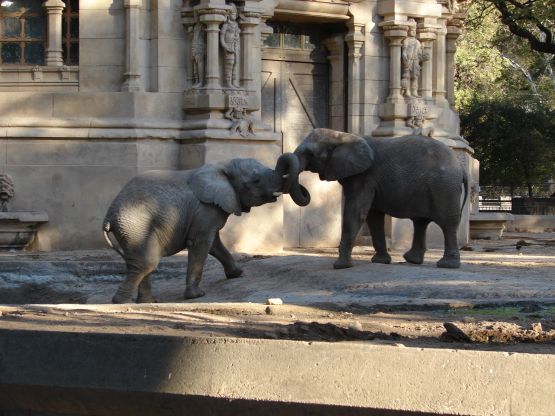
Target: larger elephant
(412, 177)
(159, 213)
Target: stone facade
(174, 84)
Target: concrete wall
(532, 223)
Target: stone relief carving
(241, 123)
(6, 191)
(198, 49)
(412, 55)
(418, 110)
(230, 42)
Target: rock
(356, 325)
(467, 248)
(468, 319)
(454, 333)
(269, 310)
(274, 301)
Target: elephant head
(334, 155)
(239, 184)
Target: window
(22, 32)
(292, 36)
(70, 32)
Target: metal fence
(515, 199)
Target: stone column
(250, 51)
(355, 42)
(54, 10)
(426, 35)
(439, 65)
(188, 20)
(454, 30)
(337, 94)
(395, 34)
(212, 18)
(132, 76)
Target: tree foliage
(515, 145)
(531, 20)
(505, 93)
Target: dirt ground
(502, 298)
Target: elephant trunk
(287, 167)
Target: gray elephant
(159, 213)
(412, 177)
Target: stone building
(95, 91)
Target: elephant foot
(120, 297)
(146, 299)
(343, 264)
(234, 273)
(381, 258)
(449, 262)
(193, 292)
(414, 256)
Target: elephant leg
(451, 256)
(416, 253)
(357, 205)
(375, 221)
(136, 272)
(145, 291)
(220, 252)
(198, 252)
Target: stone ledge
(93, 373)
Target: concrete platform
(371, 340)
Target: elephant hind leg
(145, 291)
(416, 253)
(451, 256)
(139, 267)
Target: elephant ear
(210, 184)
(351, 156)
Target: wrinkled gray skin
(160, 213)
(408, 177)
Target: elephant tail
(106, 230)
(465, 184)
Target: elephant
(412, 177)
(159, 213)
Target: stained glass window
(22, 32)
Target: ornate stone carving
(412, 55)
(418, 110)
(198, 49)
(6, 191)
(230, 42)
(241, 123)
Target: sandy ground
(503, 297)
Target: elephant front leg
(416, 254)
(355, 211)
(198, 251)
(220, 252)
(375, 221)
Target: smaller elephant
(159, 213)
(412, 177)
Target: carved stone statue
(199, 53)
(412, 55)
(230, 41)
